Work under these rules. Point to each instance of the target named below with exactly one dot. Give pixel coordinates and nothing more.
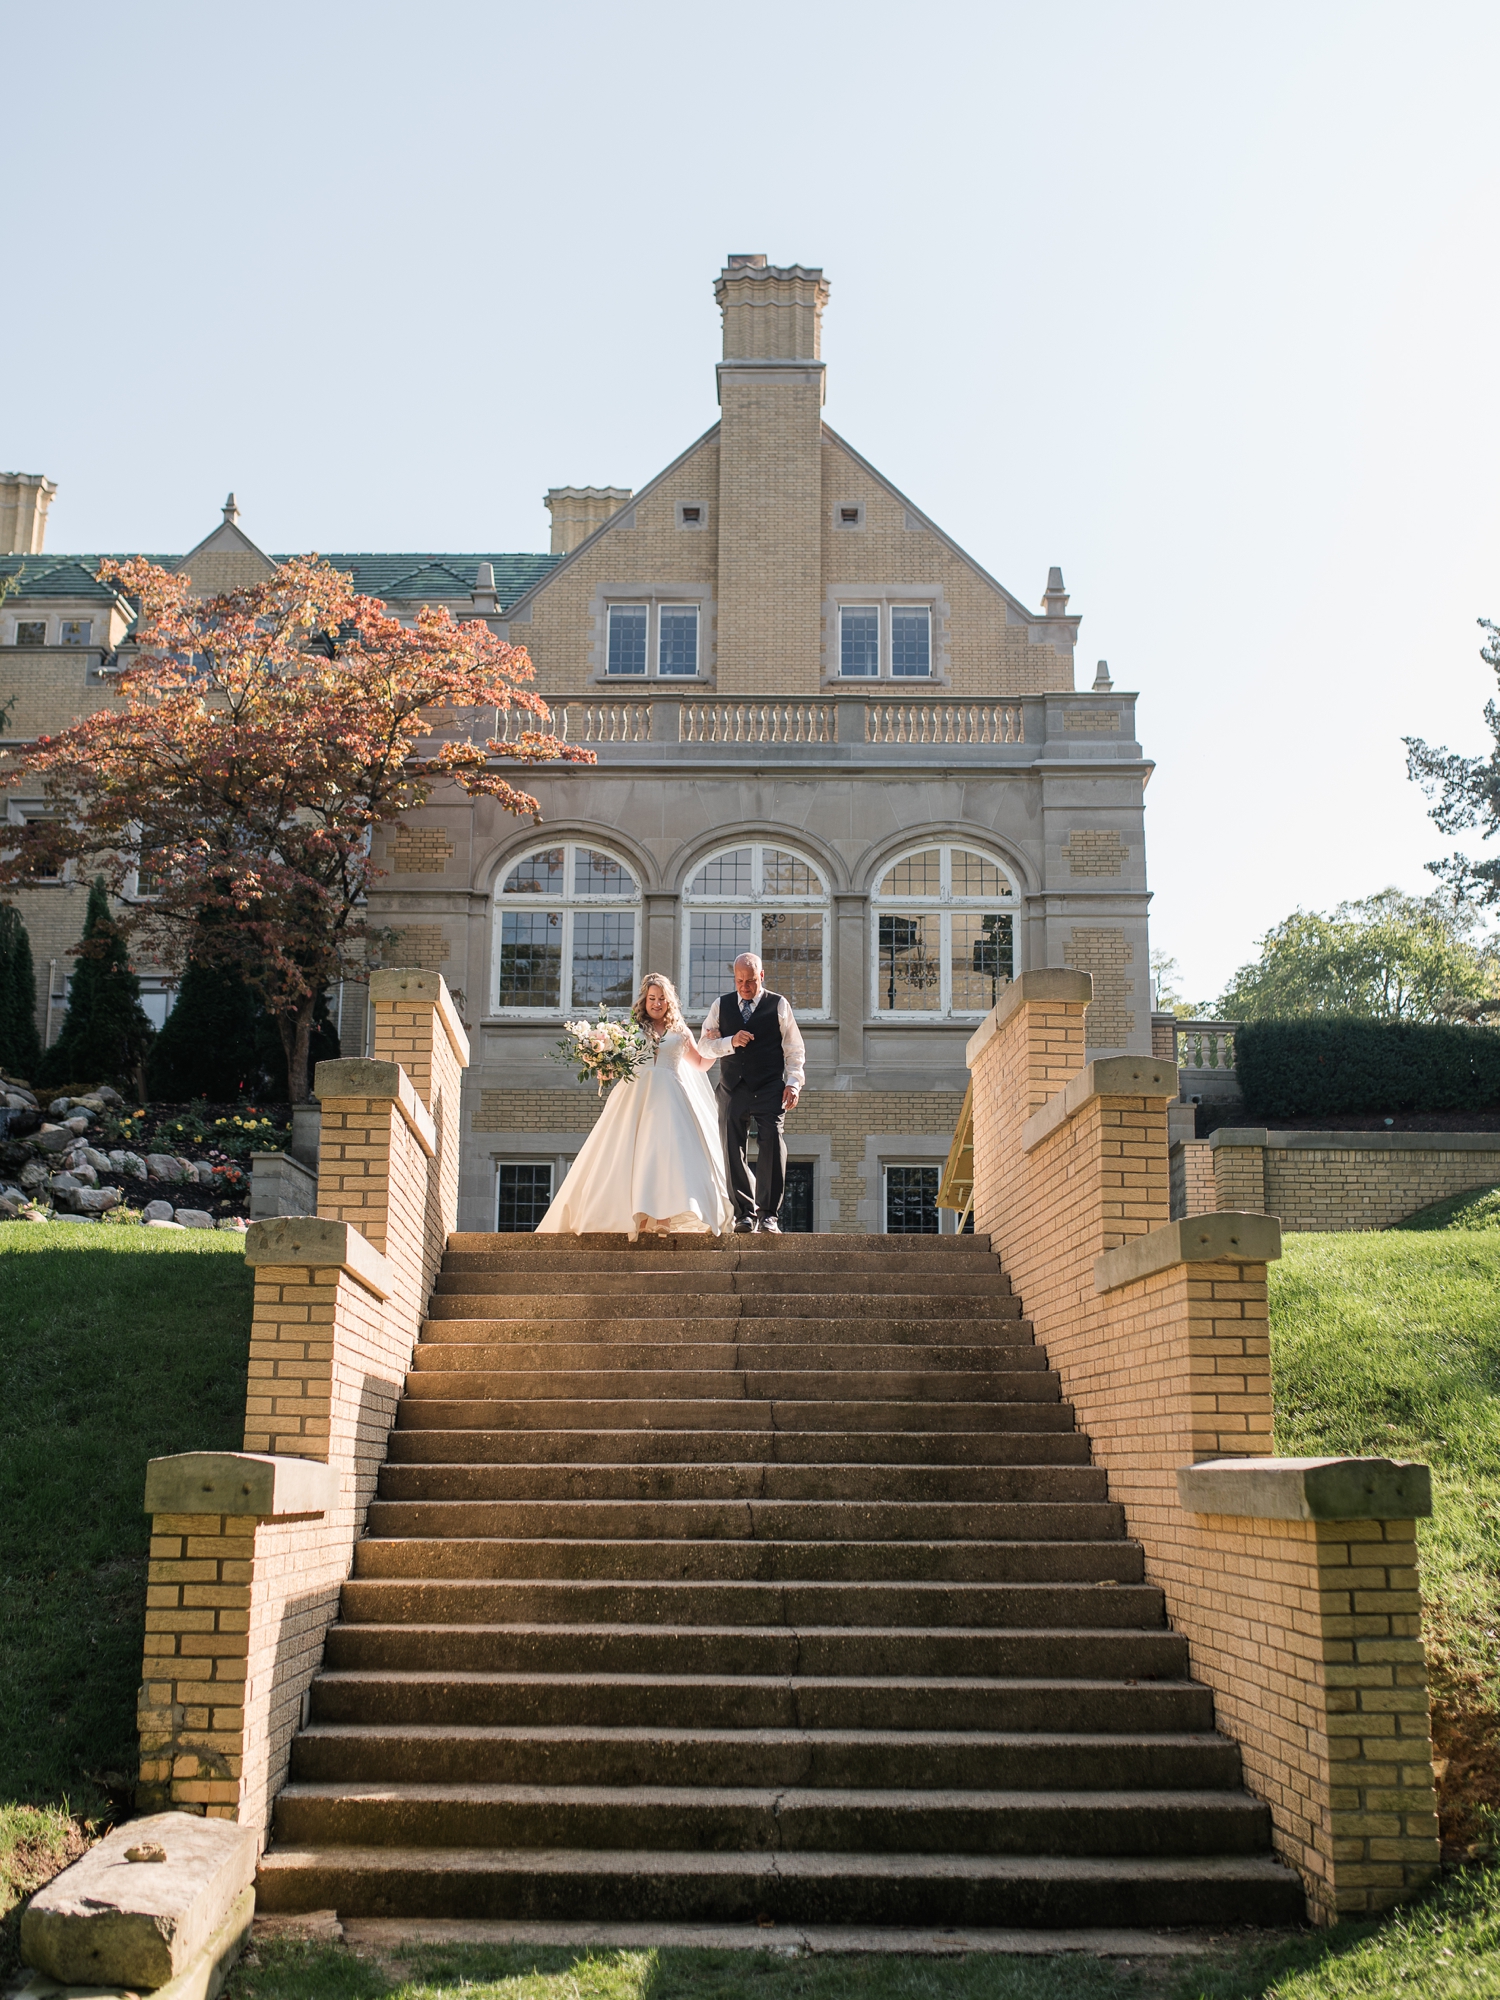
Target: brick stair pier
(768, 1581)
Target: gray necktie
(747, 1008)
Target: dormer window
(31, 632)
(75, 631)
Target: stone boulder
(204, 1170)
(54, 1139)
(194, 1218)
(35, 1174)
(59, 1107)
(97, 1201)
(9, 1210)
(65, 1184)
(163, 1167)
(78, 1123)
(157, 1211)
(102, 1163)
(134, 1165)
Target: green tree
(1466, 793)
(1388, 957)
(20, 1044)
(207, 1047)
(104, 1033)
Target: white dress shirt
(792, 1046)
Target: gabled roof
(400, 577)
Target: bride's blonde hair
(674, 1019)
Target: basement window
(911, 1200)
(31, 632)
(525, 1194)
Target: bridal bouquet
(603, 1051)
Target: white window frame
(569, 904)
(891, 610)
(28, 618)
(556, 1165)
(62, 632)
(881, 648)
(663, 673)
(756, 904)
(885, 601)
(626, 604)
(944, 905)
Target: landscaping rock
(163, 1167)
(10, 1211)
(54, 1138)
(83, 1172)
(107, 1921)
(157, 1211)
(98, 1201)
(35, 1174)
(59, 1107)
(102, 1163)
(189, 1171)
(93, 1099)
(78, 1123)
(110, 1096)
(65, 1183)
(205, 1173)
(134, 1165)
(236, 1222)
(116, 1160)
(15, 1101)
(194, 1218)
(157, 1223)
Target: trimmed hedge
(1313, 1068)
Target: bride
(653, 1161)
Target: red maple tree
(263, 735)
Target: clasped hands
(739, 1041)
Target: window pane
(714, 943)
(539, 874)
(603, 958)
(677, 647)
(983, 960)
(910, 964)
(797, 1201)
(531, 958)
(791, 946)
(596, 874)
(525, 1195)
(918, 875)
(911, 1201)
(627, 639)
(725, 875)
(974, 876)
(31, 632)
(75, 631)
(788, 875)
(859, 640)
(911, 642)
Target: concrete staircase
(770, 1581)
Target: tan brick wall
(1239, 1178)
(418, 850)
(1194, 1190)
(1094, 851)
(1163, 1037)
(1092, 721)
(1308, 1640)
(238, 1608)
(1105, 954)
(1341, 1189)
(770, 520)
(49, 691)
(423, 944)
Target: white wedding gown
(654, 1157)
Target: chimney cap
(484, 577)
(745, 260)
(1102, 682)
(231, 511)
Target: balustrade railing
(944, 722)
(757, 722)
(1206, 1045)
(660, 717)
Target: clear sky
(1199, 301)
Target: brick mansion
(824, 732)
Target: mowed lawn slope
(117, 1344)
(1389, 1345)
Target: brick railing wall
(1345, 1180)
(249, 1550)
(1159, 1334)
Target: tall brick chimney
(24, 500)
(770, 477)
(578, 510)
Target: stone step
(494, 1559)
(389, 1597)
(863, 1651)
(643, 1262)
(832, 1521)
(612, 1885)
(469, 1243)
(961, 1386)
(757, 1481)
(826, 1308)
(519, 1350)
(752, 1701)
(740, 1819)
(819, 1285)
(727, 1413)
(706, 1448)
(958, 1760)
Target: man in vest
(762, 1064)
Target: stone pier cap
(1308, 1489)
(262, 1484)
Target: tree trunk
(296, 1038)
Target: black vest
(762, 1062)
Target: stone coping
(401, 985)
(1107, 1076)
(239, 1482)
(1044, 982)
(1308, 1489)
(317, 1242)
(363, 1077)
(1350, 1142)
(1223, 1237)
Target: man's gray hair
(750, 958)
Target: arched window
(764, 899)
(944, 933)
(567, 923)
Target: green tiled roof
(421, 578)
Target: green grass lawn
(116, 1345)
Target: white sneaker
(769, 1223)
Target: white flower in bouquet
(603, 1051)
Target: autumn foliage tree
(262, 736)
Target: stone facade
(774, 654)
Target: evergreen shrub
(1323, 1068)
(20, 1044)
(105, 1031)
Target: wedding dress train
(654, 1156)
